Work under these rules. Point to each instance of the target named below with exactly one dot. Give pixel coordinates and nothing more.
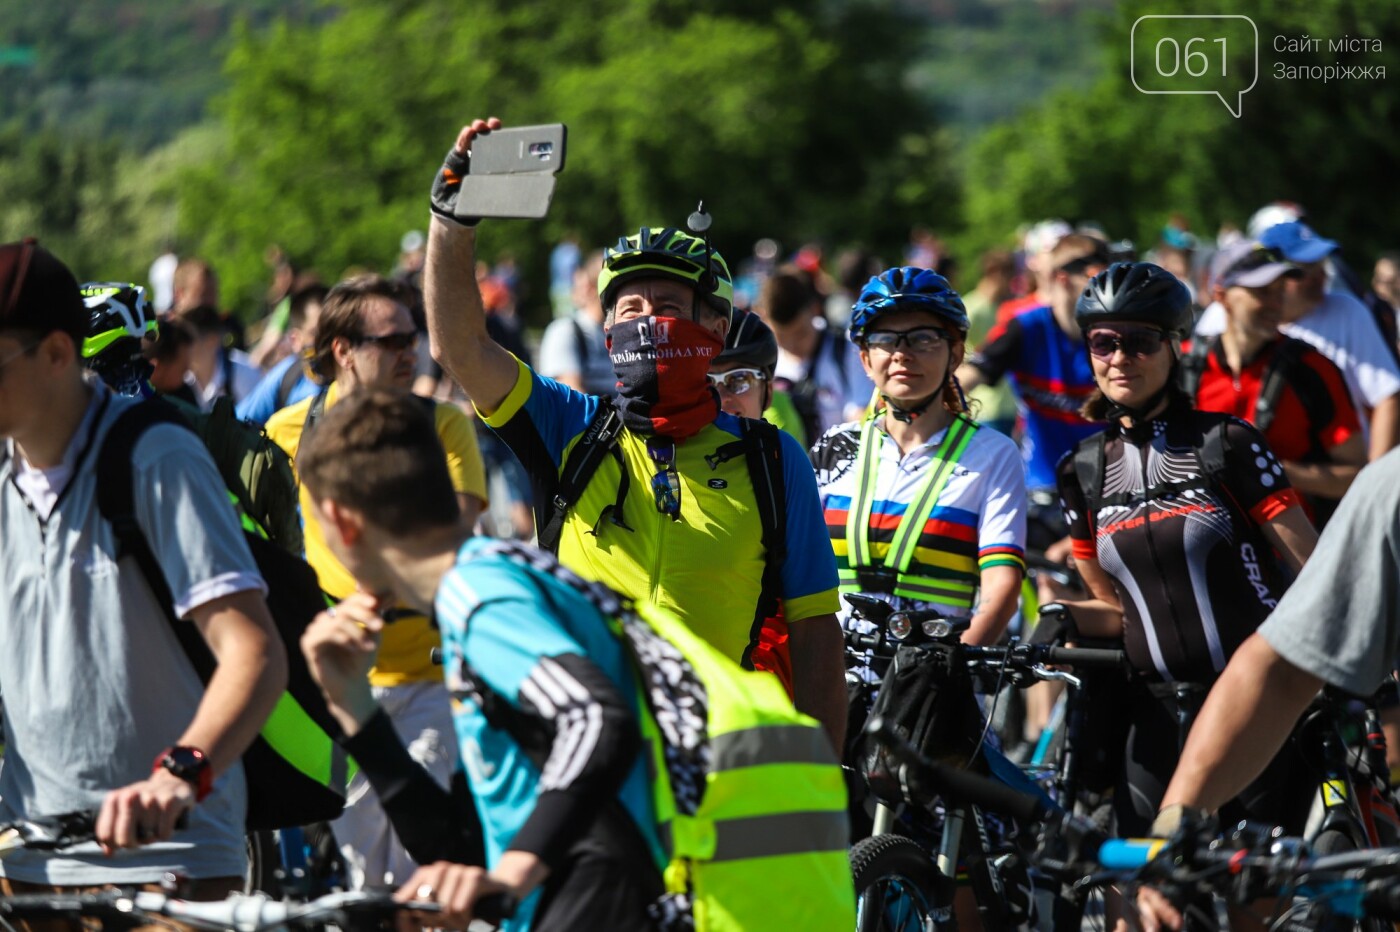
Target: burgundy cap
(37, 292)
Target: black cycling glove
(447, 184)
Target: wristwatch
(189, 764)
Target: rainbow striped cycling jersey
(978, 520)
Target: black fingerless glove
(448, 184)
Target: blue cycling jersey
(1052, 376)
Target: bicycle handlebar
(54, 833)
(1023, 654)
(239, 912)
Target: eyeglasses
(23, 351)
(1104, 343)
(393, 342)
(666, 484)
(919, 340)
(737, 381)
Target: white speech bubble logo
(1238, 107)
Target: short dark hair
(203, 319)
(377, 451)
(300, 300)
(173, 334)
(342, 315)
(787, 293)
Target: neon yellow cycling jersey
(705, 567)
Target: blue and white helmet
(908, 288)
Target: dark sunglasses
(1104, 343)
(393, 342)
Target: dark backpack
(255, 469)
(296, 773)
(1286, 369)
(759, 444)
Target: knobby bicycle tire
(898, 886)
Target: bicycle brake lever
(1042, 672)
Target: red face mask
(661, 365)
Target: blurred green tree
(790, 119)
(1130, 160)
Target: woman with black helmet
(1176, 516)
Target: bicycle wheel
(263, 861)
(898, 887)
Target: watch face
(185, 763)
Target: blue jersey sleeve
(261, 403)
(539, 419)
(809, 573)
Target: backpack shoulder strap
(764, 457)
(315, 411)
(1193, 364)
(1088, 468)
(598, 439)
(1214, 448)
(290, 378)
(1288, 370)
(761, 446)
(116, 494)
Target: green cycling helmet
(667, 253)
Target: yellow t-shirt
(408, 641)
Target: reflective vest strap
(934, 590)
(771, 744)
(940, 470)
(774, 835)
(858, 515)
(297, 738)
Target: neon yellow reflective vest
(898, 558)
(766, 846)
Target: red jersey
(1299, 430)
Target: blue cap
(1297, 242)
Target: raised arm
(456, 316)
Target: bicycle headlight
(936, 628)
(898, 626)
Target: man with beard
(671, 513)
(365, 339)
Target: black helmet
(751, 342)
(1139, 292)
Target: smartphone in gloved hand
(513, 172)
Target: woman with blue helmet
(924, 509)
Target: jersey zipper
(1157, 564)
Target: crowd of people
(731, 452)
